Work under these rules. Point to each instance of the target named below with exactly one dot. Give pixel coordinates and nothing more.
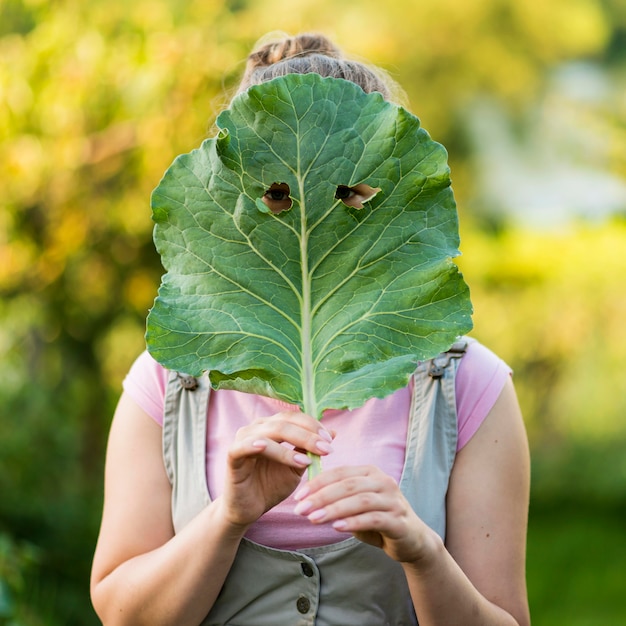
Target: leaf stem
(308, 387)
(316, 465)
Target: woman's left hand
(368, 503)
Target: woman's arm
(478, 576)
(142, 572)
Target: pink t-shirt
(377, 429)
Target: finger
(335, 477)
(346, 492)
(374, 523)
(295, 434)
(307, 422)
(400, 530)
(283, 454)
(243, 451)
(363, 503)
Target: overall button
(307, 570)
(303, 604)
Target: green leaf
(322, 305)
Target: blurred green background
(97, 98)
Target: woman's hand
(266, 462)
(368, 503)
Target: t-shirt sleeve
(145, 383)
(479, 381)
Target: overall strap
(184, 445)
(432, 436)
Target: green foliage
(15, 562)
(321, 305)
(576, 557)
(24, 600)
(554, 305)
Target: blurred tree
(96, 100)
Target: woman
(420, 512)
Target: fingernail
(317, 515)
(302, 493)
(302, 507)
(324, 434)
(340, 524)
(301, 459)
(324, 446)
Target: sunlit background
(98, 97)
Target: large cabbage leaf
(322, 305)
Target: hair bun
(278, 54)
(287, 47)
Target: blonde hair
(279, 55)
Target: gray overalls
(344, 584)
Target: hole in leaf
(357, 195)
(276, 198)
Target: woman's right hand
(144, 572)
(266, 462)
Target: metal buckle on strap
(188, 382)
(438, 365)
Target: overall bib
(343, 584)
